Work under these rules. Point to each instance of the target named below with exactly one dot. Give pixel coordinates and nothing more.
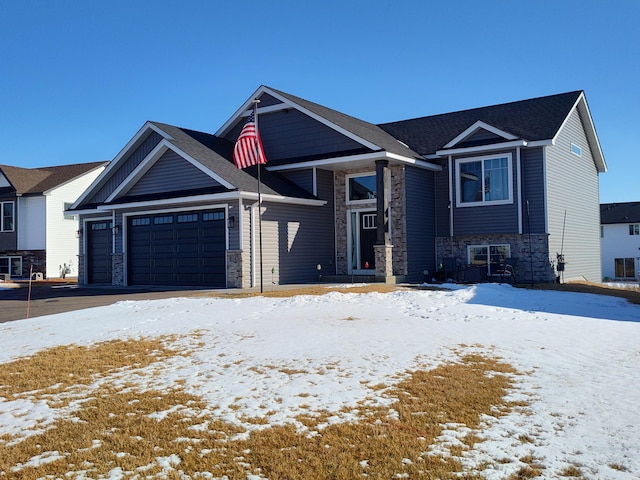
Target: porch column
(382, 204)
(383, 248)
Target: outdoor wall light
(116, 230)
(231, 222)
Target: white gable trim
(286, 103)
(150, 160)
(184, 202)
(479, 125)
(590, 132)
(104, 176)
(483, 148)
(345, 161)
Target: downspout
(519, 183)
(450, 197)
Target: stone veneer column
(235, 278)
(117, 269)
(384, 263)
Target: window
(163, 220)
(211, 216)
(188, 218)
(7, 216)
(11, 265)
(369, 221)
(576, 150)
(361, 188)
(488, 255)
(138, 222)
(625, 268)
(634, 229)
(484, 180)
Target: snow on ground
(581, 354)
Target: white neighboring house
(620, 240)
(35, 233)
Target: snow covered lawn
(280, 359)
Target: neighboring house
(35, 231)
(341, 196)
(620, 231)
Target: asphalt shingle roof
(38, 180)
(628, 212)
(533, 119)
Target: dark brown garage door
(99, 249)
(185, 248)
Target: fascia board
(217, 197)
(289, 104)
(483, 148)
(355, 158)
(476, 126)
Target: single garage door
(185, 248)
(99, 250)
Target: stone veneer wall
(235, 278)
(37, 258)
(397, 218)
(117, 269)
(538, 256)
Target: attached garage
(182, 248)
(99, 251)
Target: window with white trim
(11, 265)
(490, 256)
(361, 188)
(484, 180)
(634, 229)
(7, 216)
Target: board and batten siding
(573, 203)
(487, 219)
(533, 190)
(172, 173)
(420, 222)
(125, 168)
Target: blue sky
(78, 79)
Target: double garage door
(183, 248)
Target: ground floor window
(625, 268)
(490, 256)
(11, 265)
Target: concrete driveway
(50, 298)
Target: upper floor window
(634, 229)
(484, 180)
(7, 216)
(576, 150)
(361, 187)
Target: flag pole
(255, 116)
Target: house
(35, 231)
(344, 197)
(620, 231)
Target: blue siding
(294, 134)
(533, 218)
(302, 178)
(126, 167)
(420, 221)
(171, 173)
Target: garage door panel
(178, 249)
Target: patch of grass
(571, 471)
(307, 290)
(124, 431)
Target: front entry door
(362, 238)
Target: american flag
(248, 150)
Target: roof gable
(27, 181)
(480, 133)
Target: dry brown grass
(308, 290)
(116, 429)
